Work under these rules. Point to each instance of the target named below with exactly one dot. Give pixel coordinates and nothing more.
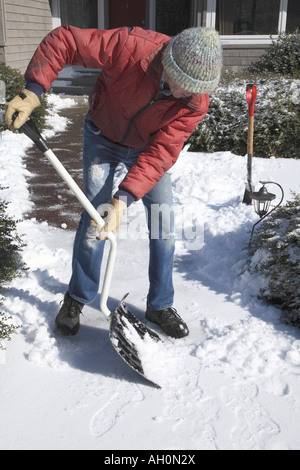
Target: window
(247, 17)
(80, 13)
(293, 16)
(173, 16)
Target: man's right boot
(67, 322)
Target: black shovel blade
(123, 327)
(247, 194)
(247, 197)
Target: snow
(232, 384)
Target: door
(127, 13)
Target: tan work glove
(23, 107)
(112, 214)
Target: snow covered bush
(275, 251)
(276, 120)
(277, 113)
(14, 81)
(10, 263)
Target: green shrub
(14, 81)
(277, 114)
(11, 264)
(10, 245)
(282, 57)
(6, 328)
(276, 119)
(275, 255)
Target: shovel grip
(30, 129)
(251, 94)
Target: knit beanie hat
(193, 59)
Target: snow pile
(233, 383)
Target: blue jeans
(100, 160)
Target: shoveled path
(54, 202)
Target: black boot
(169, 321)
(67, 321)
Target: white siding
(26, 24)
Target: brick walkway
(54, 202)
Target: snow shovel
(251, 93)
(123, 324)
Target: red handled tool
(251, 93)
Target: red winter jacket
(124, 103)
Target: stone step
(81, 83)
(71, 90)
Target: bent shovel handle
(30, 129)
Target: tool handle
(251, 94)
(250, 134)
(30, 129)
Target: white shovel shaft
(97, 218)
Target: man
(151, 94)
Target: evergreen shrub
(282, 57)
(276, 118)
(11, 264)
(277, 108)
(275, 255)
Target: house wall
(26, 24)
(236, 57)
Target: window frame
(247, 40)
(2, 25)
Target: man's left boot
(169, 321)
